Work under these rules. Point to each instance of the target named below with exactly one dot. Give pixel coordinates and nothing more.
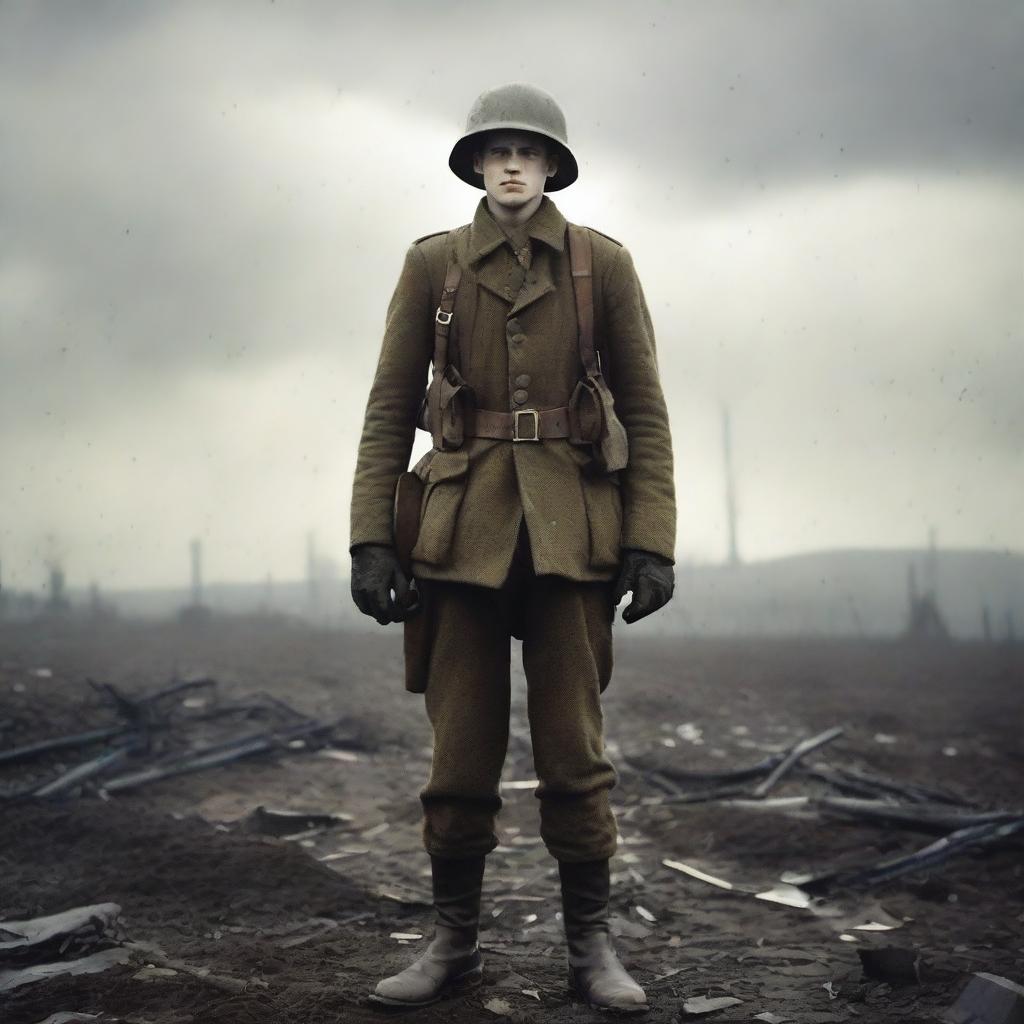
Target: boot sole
(454, 986)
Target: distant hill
(846, 592)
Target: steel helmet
(518, 107)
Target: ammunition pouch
(444, 410)
(593, 421)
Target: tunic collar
(546, 225)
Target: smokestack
(932, 565)
(730, 487)
(312, 580)
(196, 548)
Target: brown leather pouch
(418, 640)
(408, 501)
(592, 419)
(417, 630)
(444, 409)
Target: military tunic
(514, 335)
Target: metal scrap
(796, 752)
(80, 925)
(92, 964)
(929, 856)
(153, 731)
(923, 817)
(988, 999)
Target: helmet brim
(461, 159)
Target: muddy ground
(288, 936)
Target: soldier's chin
(513, 200)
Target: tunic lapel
(495, 266)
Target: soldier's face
(515, 166)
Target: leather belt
(521, 425)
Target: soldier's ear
(478, 162)
(552, 165)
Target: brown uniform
(515, 539)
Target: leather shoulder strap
(581, 260)
(446, 307)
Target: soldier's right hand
(375, 574)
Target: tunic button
(513, 327)
(522, 380)
(518, 339)
(520, 395)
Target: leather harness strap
(581, 260)
(445, 311)
(442, 328)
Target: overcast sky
(204, 208)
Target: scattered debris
(92, 964)
(152, 973)
(864, 783)
(70, 1018)
(157, 958)
(789, 892)
(158, 727)
(78, 927)
(500, 1007)
(922, 817)
(930, 809)
(700, 1005)
(988, 999)
(798, 751)
(935, 853)
(271, 822)
(786, 894)
(81, 739)
(339, 755)
(691, 732)
(693, 872)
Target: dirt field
(287, 937)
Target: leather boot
(452, 960)
(594, 969)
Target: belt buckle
(442, 317)
(516, 436)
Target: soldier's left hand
(651, 579)
(375, 574)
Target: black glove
(375, 573)
(651, 579)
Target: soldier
(547, 496)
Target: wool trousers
(566, 629)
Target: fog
(205, 207)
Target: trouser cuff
(578, 827)
(456, 828)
